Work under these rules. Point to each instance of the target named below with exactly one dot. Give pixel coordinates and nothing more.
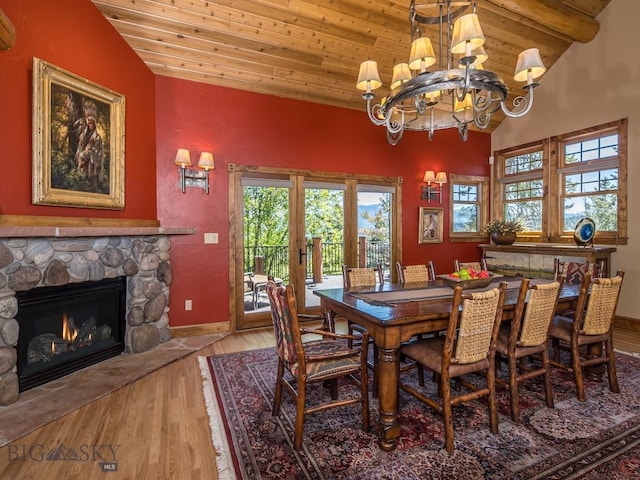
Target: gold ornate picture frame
(78, 141)
(430, 225)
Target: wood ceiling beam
(7, 32)
(549, 13)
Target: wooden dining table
(393, 314)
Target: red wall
(163, 114)
(252, 129)
(75, 36)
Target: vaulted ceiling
(311, 50)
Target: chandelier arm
(431, 130)
(521, 103)
(395, 126)
(481, 103)
(394, 138)
(374, 119)
(481, 119)
(465, 86)
(463, 132)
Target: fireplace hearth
(69, 327)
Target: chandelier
(450, 97)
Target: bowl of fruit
(467, 278)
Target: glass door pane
(324, 239)
(266, 243)
(374, 227)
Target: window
(552, 184)
(521, 180)
(589, 187)
(469, 207)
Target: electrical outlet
(188, 305)
(210, 238)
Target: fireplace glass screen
(63, 329)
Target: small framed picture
(430, 227)
(78, 141)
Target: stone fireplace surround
(33, 257)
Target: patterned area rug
(593, 440)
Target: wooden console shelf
(536, 259)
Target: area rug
(597, 439)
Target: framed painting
(430, 228)
(78, 141)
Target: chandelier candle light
(447, 97)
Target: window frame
(482, 184)
(502, 179)
(554, 170)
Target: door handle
(301, 254)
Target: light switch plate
(210, 238)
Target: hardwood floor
(157, 426)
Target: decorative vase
(503, 238)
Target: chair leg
(300, 402)
(447, 414)
(420, 375)
(611, 366)
(277, 398)
(364, 394)
(577, 372)
(548, 387)
(556, 349)
(493, 407)
(333, 384)
(513, 389)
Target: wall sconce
(432, 192)
(190, 177)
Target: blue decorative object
(584, 232)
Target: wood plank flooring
(158, 424)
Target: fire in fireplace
(66, 328)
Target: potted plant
(503, 232)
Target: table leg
(389, 427)
(329, 321)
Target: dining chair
(468, 347)
(321, 360)
(574, 272)
(477, 266)
(354, 277)
(591, 326)
(419, 273)
(527, 337)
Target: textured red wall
(75, 36)
(252, 129)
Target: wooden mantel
(18, 226)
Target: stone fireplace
(58, 259)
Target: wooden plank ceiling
(311, 50)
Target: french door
(300, 228)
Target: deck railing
(274, 259)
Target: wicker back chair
(354, 277)
(468, 347)
(477, 266)
(527, 336)
(591, 326)
(416, 273)
(314, 361)
(574, 272)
